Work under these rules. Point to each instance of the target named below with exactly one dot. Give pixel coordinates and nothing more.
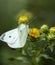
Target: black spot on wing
(9, 36)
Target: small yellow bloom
(24, 16)
(52, 29)
(23, 19)
(34, 32)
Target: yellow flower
(34, 32)
(23, 19)
(24, 16)
(52, 29)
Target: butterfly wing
(23, 34)
(11, 38)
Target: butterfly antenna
(32, 20)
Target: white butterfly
(16, 38)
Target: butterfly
(16, 38)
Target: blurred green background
(43, 10)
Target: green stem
(33, 61)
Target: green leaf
(23, 52)
(41, 44)
(51, 47)
(23, 59)
(44, 55)
(47, 57)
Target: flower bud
(44, 28)
(51, 36)
(52, 29)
